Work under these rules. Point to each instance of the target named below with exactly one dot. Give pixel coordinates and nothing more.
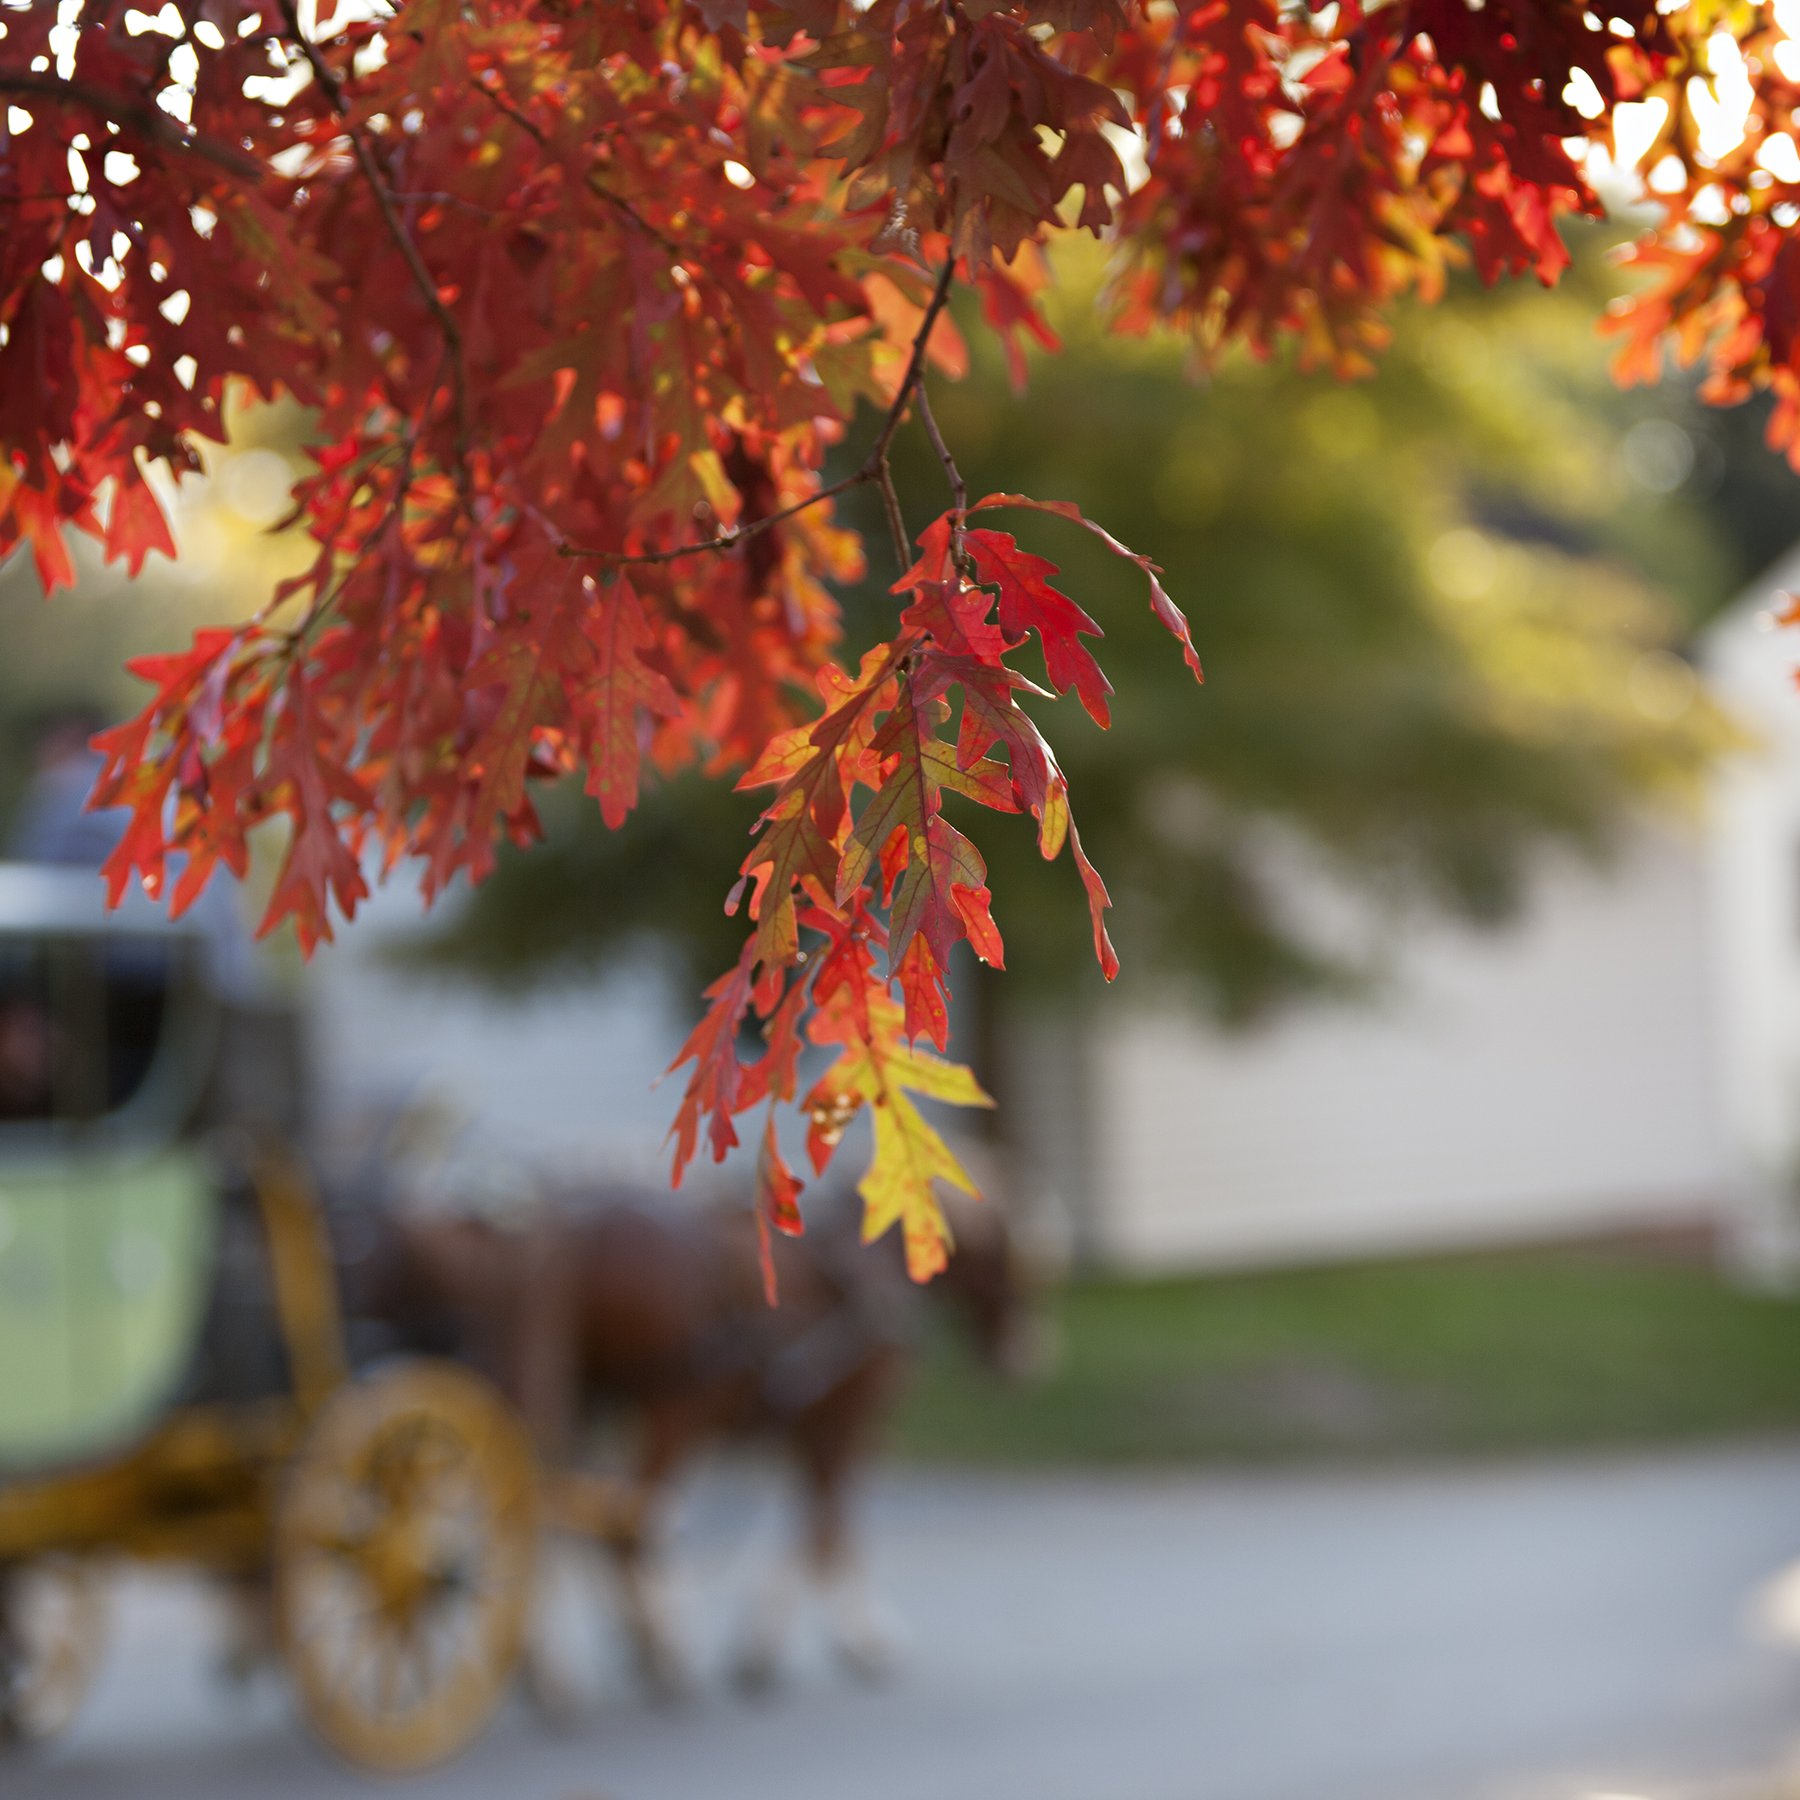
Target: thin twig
(441, 197)
(915, 367)
(143, 116)
(390, 212)
(726, 540)
(959, 491)
(896, 521)
(502, 102)
(874, 466)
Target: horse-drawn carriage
(167, 1394)
(176, 1383)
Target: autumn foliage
(583, 297)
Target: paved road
(1546, 1633)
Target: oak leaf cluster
(597, 309)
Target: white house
(1552, 1079)
(1626, 1057)
(1754, 919)
(562, 1077)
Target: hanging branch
(143, 116)
(874, 468)
(959, 490)
(502, 102)
(396, 226)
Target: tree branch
(874, 466)
(503, 103)
(726, 540)
(896, 520)
(390, 212)
(143, 116)
(915, 366)
(959, 491)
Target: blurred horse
(619, 1298)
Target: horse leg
(536, 1363)
(835, 1440)
(546, 1669)
(829, 1441)
(540, 1363)
(825, 1563)
(669, 1433)
(861, 1630)
(756, 1663)
(249, 1645)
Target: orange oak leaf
(620, 692)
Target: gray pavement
(1551, 1632)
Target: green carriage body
(108, 1210)
(127, 1426)
(104, 1261)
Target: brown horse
(618, 1298)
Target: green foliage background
(1444, 615)
(1468, 1356)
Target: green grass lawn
(1457, 1356)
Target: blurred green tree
(1443, 612)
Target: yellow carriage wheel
(52, 1630)
(403, 1557)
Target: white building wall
(562, 1078)
(1755, 874)
(1557, 1078)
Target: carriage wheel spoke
(403, 1576)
